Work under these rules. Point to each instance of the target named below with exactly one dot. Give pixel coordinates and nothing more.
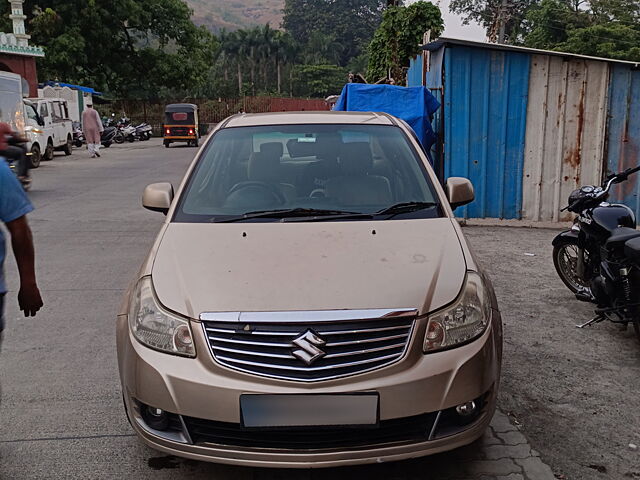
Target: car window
(31, 113)
(355, 168)
(56, 112)
(44, 110)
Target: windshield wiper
(405, 207)
(316, 214)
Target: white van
(57, 128)
(14, 112)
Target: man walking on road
(92, 129)
(14, 206)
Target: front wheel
(565, 259)
(68, 147)
(35, 156)
(48, 152)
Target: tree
(132, 48)
(318, 80)
(602, 28)
(351, 23)
(492, 14)
(399, 36)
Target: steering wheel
(271, 189)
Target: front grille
(408, 429)
(324, 349)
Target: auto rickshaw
(181, 124)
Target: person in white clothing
(92, 129)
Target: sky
(453, 24)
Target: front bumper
(417, 385)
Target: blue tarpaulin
(75, 87)
(414, 105)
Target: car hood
(280, 266)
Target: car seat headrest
(356, 158)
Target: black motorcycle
(599, 258)
(16, 156)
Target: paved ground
(573, 393)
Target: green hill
(235, 14)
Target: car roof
(180, 107)
(295, 118)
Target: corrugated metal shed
(566, 119)
(582, 116)
(485, 102)
(623, 146)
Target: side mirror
(157, 197)
(459, 191)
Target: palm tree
(288, 52)
(322, 49)
(266, 49)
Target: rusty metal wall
(623, 146)
(484, 108)
(566, 132)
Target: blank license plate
(308, 410)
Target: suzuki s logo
(306, 347)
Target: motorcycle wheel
(131, 138)
(565, 259)
(119, 138)
(636, 328)
(77, 143)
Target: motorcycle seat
(632, 249)
(620, 236)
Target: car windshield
(299, 172)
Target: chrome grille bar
(313, 348)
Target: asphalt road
(573, 393)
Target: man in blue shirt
(14, 206)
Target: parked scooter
(143, 131)
(108, 136)
(599, 258)
(78, 135)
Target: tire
(119, 138)
(166, 144)
(195, 143)
(565, 257)
(131, 138)
(68, 147)
(48, 152)
(77, 143)
(35, 157)
(107, 144)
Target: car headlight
(155, 327)
(463, 321)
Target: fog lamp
(466, 409)
(155, 418)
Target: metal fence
(212, 111)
